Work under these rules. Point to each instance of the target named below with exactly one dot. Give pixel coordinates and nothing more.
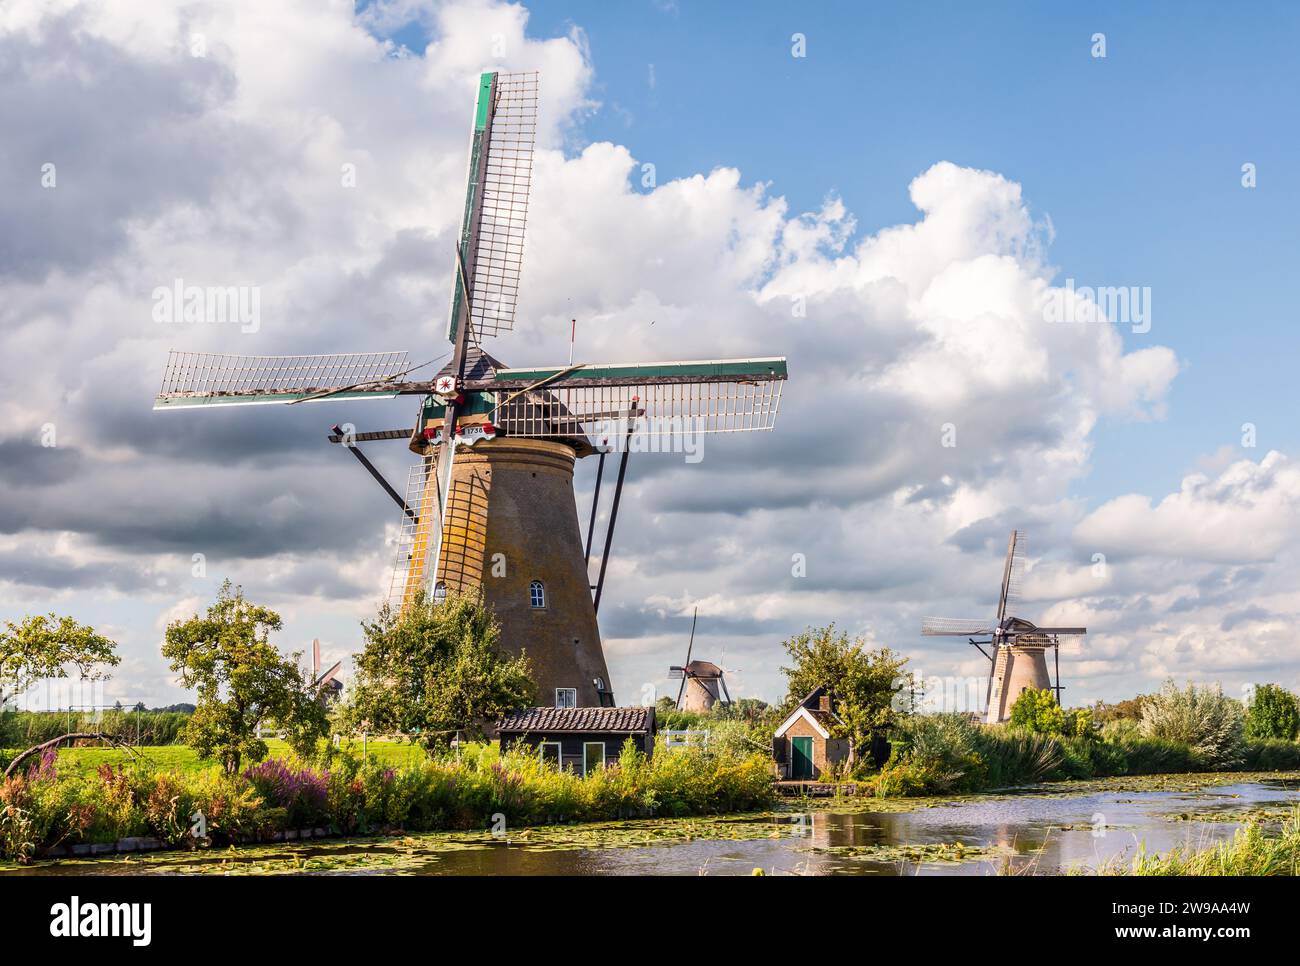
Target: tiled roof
(554, 720)
(828, 719)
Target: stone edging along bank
(147, 843)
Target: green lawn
(181, 758)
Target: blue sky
(1136, 158)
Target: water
(1039, 828)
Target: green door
(801, 762)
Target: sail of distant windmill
(703, 682)
(1017, 647)
(324, 684)
(490, 505)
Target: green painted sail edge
(758, 368)
(484, 99)
(485, 83)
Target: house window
(440, 591)
(551, 753)
(593, 756)
(566, 697)
(537, 594)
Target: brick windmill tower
(1017, 648)
(490, 504)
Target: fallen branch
(54, 743)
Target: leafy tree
(1129, 709)
(1036, 710)
(435, 669)
(242, 681)
(865, 682)
(1273, 712)
(45, 646)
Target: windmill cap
(703, 669)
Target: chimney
(824, 703)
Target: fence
(686, 739)
(135, 726)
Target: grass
(179, 758)
(1253, 850)
(78, 801)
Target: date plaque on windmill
(496, 446)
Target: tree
(435, 669)
(1273, 712)
(864, 681)
(242, 682)
(1129, 709)
(1037, 710)
(45, 646)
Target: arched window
(440, 591)
(537, 594)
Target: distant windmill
(327, 686)
(1018, 647)
(702, 681)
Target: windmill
(490, 505)
(1017, 654)
(327, 685)
(702, 681)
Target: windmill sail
(681, 672)
(954, 627)
(220, 379)
(660, 399)
(496, 209)
(1012, 573)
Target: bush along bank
(44, 813)
(942, 753)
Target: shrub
(302, 793)
(1273, 712)
(1079, 724)
(1013, 756)
(1037, 711)
(932, 754)
(1272, 754)
(1201, 718)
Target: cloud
(1246, 514)
(226, 169)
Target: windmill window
(440, 591)
(566, 697)
(537, 594)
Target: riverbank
(1073, 827)
(46, 809)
